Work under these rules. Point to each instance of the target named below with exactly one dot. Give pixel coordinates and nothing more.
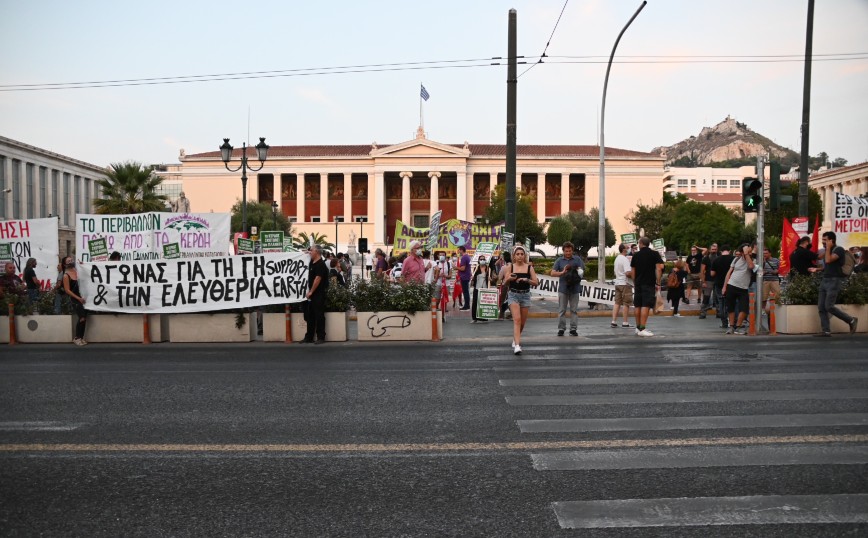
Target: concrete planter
(805, 319)
(397, 326)
(38, 329)
(210, 328)
(274, 327)
(125, 328)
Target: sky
(669, 79)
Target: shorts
(624, 294)
(645, 297)
(521, 298)
(771, 286)
(742, 296)
(693, 278)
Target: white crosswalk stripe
(604, 390)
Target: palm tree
(302, 242)
(129, 188)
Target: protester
(719, 270)
(369, 263)
(59, 295)
(71, 289)
(382, 266)
(463, 269)
(647, 267)
(413, 267)
(335, 275)
(830, 286)
(502, 287)
(694, 274)
(115, 256)
(675, 286)
(479, 281)
(31, 281)
(861, 260)
(457, 293)
(735, 288)
(429, 266)
(707, 281)
(318, 283)
(803, 260)
(569, 269)
(771, 279)
(442, 274)
(623, 287)
(520, 277)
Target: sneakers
(625, 325)
(741, 330)
(645, 333)
(825, 334)
(79, 341)
(517, 350)
(701, 316)
(852, 324)
(614, 325)
(729, 330)
(560, 332)
(676, 315)
(574, 333)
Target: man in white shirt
(623, 286)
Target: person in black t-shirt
(803, 259)
(318, 283)
(830, 286)
(647, 268)
(706, 281)
(694, 268)
(31, 281)
(719, 268)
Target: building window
(420, 221)
(339, 218)
(682, 183)
(292, 219)
(734, 183)
(314, 219)
(721, 183)
(692, 182)
(361, 218)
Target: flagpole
(421, 120)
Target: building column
(492, 183)
(565, 193)
(324, 198)
(6, 197)
(376, 195)
(461, 196)
(299, 197)
(348, 197)
(435, 191)
(405, 197)
(541, 197)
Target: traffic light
(751, 194)
(775, 198)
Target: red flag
(815, 239)
(789, 240)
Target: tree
(129, 188)
(303, 240)
(654, 218)
(560, 231)
(695, 223)
(586, 234)
(259, 214)
(526, 225)
(839, 162)
(774, 220)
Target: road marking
(685, 397)
(690, 423)
(727, 362)
(755, 510)
(36, 426)
(699, 378)
(429, 447)
(698, 457)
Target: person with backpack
(570, 269)
(837, 270)
(675, 286)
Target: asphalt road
(578, 437)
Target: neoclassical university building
(370, 187)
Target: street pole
(511, 98)
(760, 246)
(806, 114)
(601, 230)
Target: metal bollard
(772, 327)
(752, 315)
(435, 335)
(12, 340)
(288, 314)
(146, 327)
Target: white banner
(33, 238)
(194, 285)
(850, 221)
(590, 292)
(142, 236)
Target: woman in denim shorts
(520, 276)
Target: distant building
(375, 185)
(852, 180)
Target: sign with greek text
(172, 251)
(287, 245)
(850, 220)
(244, 246)
(452, 234)
(434, 230)
(507, 239)
(142, 236)
(194, 284)
(487, 306)
(98, 249)
(21, 240)
(272, 241)
(590, 292)
(486, 249)
(628, 239)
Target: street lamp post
(226, 154)
(274, 213)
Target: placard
(487, 306)
(245, 246)
(272, 241)
(434, 233)
(589, 292)
(21, 240)
(452, 234)
(171, 251)
(850, 220)
(629, 239)
(98, 249)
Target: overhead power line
(549, 42)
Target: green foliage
(774, 220)
(734, 163)
(801, 290)
(526, 224)
(560, 231)
(260, 214)
(129, 188)
(381, 296)
(855, 291)
(17, 298)
(338, 298)
(586, 231)
(654, 218)
(694, 223)
(302, 241)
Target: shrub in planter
(805, 290)
(855, 291)
(45, 306)
(17, 298)
(381, 296)
(338, 298)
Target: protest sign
(194, 285)
(506, 240)
(287, 245)
(590, 292)
(453, 233)
(272, 241)
(171, 251)
(628, 239)
(244, 246)
(850, 220)
(98, 249)
(487, 306)
(434, 230)
(142, 236)
(21, 240)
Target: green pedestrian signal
(751, 194)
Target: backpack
(848, 263)
(673, 281)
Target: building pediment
(420, 148)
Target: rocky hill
(729, 140)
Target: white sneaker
(676, 315)
(517, 350)
(637, 332)
(645, 332)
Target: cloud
(317, 96)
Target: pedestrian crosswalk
(692, 436)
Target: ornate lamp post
(226, 154)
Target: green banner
(5, 251)
(245, 246)
(487, 306)
(172, 251)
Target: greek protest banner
(590, 292)
(487, 306)
(850, 220)
(433, 230)
(272, 241)
(98, 249)
(194, 285)
(21, 240)
(454, 233)
(143, 235)
(486, 248)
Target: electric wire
(543, 55)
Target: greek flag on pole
(423, 93)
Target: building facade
(852, 180)
(37, 183)
(367, 188)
